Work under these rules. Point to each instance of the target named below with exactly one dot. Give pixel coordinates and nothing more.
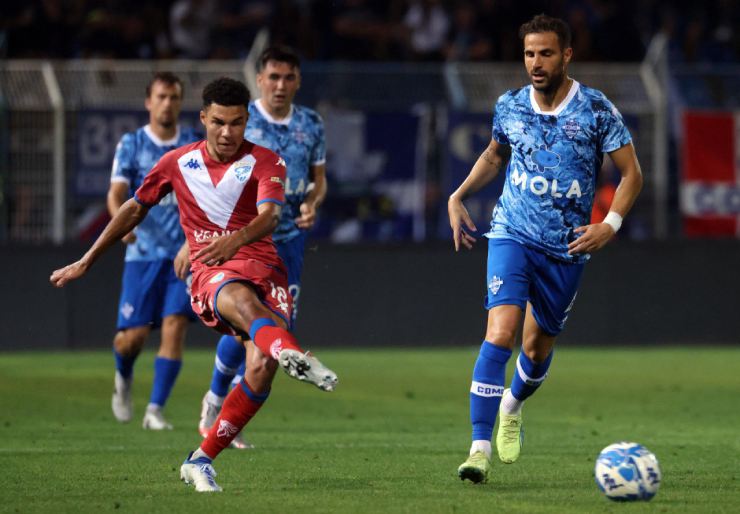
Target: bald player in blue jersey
(296, 133)
(553, 134)
(151, 294)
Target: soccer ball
(627, 472)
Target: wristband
(614, 220)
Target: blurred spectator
(191, 22)
(467, 42)
(237, 23)
(427, 23)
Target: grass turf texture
(388, 440)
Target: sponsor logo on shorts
(495, 284)
(276, 347)
(218, 277)
(486, 390)
(127, 310)
(226, 429)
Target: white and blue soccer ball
(627, 472)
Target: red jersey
(216, 198)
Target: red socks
(240, 406)
(272, 339)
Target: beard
(552, 82)
(166, 120)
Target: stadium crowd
(393, 30)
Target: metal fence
(43, 102)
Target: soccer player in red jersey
(230, 193)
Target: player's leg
(167, 367)
(531, 369)
(552, 295)
(228, 366)
(137, 309)
(507, 291)
(127, 344)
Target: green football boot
(476, 468)
(509, 436)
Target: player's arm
(182, 261)
(118, 193)
(130, 214)
(485, 169)
(314, 198)
(223, 248)
(595, 236)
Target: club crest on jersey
(243, 168)
(218, 277)
(544, 158)
(495, 284)
(571, 128)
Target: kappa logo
(192, 164)
(226, 429)
(571, 128)
(280, 162)
(218, 277)
(276, 347)
(495, 284)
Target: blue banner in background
(467, 135)
(98, 133)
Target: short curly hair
(544, 23)
(225, 91)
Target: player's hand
(307, 217)
(591, 238)
(129, 238)
(68, 273)
(458, 216)
(219, 250)
(182, 262)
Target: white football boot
(121, 403)
(200, 473)
(154, 419)
(307, 368)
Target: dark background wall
(682, 292)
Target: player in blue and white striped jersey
(296, 133)
(553, 134)
(151, 294)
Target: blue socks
(230, 355)
(165, 374)
(489, 375)
(124, 364)
(528, 376)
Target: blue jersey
(555, 160)
(299, 140)
(159, 236)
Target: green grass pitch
(388, 440)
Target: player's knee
(131, 340)
(501, 336)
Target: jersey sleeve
(157, 183)
(271, 185)
(318, 151)
(613, 132)
(124, 166)
(498, 133)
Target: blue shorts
(518, 274)
(150, 291)
(291, 252)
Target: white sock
(214, 399)
(509, 404)
(481, 445)
(153, 407)
(200, 453)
